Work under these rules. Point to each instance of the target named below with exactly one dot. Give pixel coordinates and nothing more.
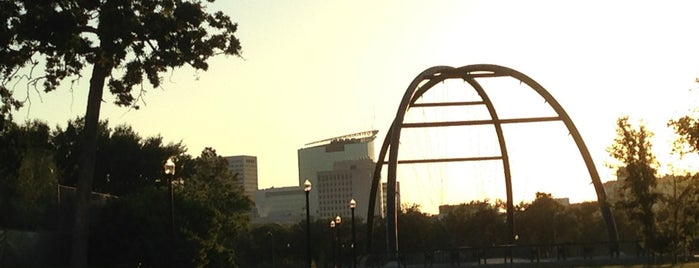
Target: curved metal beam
(421, 84)
(585, 153)
(505, 158)
(391, 206)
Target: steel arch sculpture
(421, 84)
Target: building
(321, 156)
(384, 198)
(285, 205)
(349, 179)
(245, 168)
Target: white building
(245, 167)
(384, 198)
(349, 179)
(280, 205)
(321, 156)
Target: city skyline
(320, 70)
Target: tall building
(384, 198)
(245, 167)
(349, 179)
(320, 156)
(280, 205)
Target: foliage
(417, 230)
(132, 231)
(27, 178)
(211, 219)
(684, 201)
(637, 173)
(475, 224)
(213, 193)
(540, 221)
(687, 128)
(142, 39)
(126, 162)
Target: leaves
(144, 38)
(637, 173)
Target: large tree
(124, 41)
(637, 168)
(211, 218)
(543, 221)
(27, 176)
(685, 198)
(125, 161)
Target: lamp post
(338, 220)
(334, 235)
(307, 189)
(353, 205)
(170, 171)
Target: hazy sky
(311, 70)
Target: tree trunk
(87, 167)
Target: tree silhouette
(141, 38)
(637, 173)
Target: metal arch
(421, 84)
(585, 153)
(505, 157)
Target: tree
(416, 230)
(686, 193)
(542, 221)
(141, 38)
(125, 161)
(27, 178)
(213, 192)
(586, 224)
(476, 224)
(637, 172)
(687, 128)
(211, 219)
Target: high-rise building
(245, 167)
(321, 156)
(384, 197)
(280, 205)
(349, 179)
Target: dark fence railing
(549, 255)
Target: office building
(321, 156)
(349, 179)
(284, 205)
(384, 197)
(245, 168)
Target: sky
(311, 70)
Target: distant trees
(28, 178)
(541, 221)
(685, 198)
(125, 162)
(211, 222)
(132, 228)
(663, 207)
(637, 173)
(474, 224)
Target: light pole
(170, 171)
(334, 235)
(353, 205)
(338, 220)
(307, 189)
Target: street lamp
(338, 220)
(353, 205)
(334, 236)
(307, 189)
(170, 171)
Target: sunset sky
(311, 70)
